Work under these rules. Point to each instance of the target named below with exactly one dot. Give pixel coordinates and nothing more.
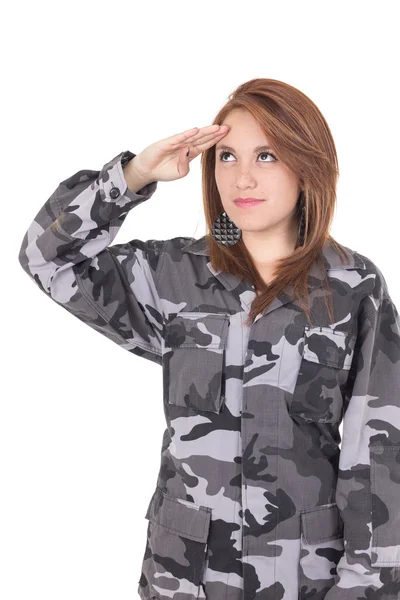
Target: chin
(257, 228)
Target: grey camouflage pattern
(257, 495)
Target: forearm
(79, 220)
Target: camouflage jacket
(257, 495)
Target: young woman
(270, 334)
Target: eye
(260, 154)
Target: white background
(81, 419)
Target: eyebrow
(257, 149)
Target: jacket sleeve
(368, 486)
(67, 253)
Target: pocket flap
(197, 330)
(179, 516)
(328, 346)
(321, 524)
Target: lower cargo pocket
(321, 547)
(176, 548)
(385, 480)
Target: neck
(267, 249)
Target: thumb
(183, 162)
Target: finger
(199, 147)
(191, 135)
(179, 138)
(208, 139)
(212, 137)
(207, 133)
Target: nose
(244, 180)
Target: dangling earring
(302, 220)
(224, 230)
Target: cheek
(284, 190)
(222, 179)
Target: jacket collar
(331, 260)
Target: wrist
(135, 181)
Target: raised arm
(67, 248)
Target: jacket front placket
(265, 425)
(262, 404)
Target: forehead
(245, 133)
(256, 149)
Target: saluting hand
(167, 160)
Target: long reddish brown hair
(299, 136)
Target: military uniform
(257, 496)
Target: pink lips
(247, 202)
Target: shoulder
(374, 294)
(343, 257)
(372, 270)
(157, 247)
(369, 280)
(174, 248)
(179, 243)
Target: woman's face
(241, 171)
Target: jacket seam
(159, 266)
(111, 319)
(156, 279)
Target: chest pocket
(194, 360)
(326, 358)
